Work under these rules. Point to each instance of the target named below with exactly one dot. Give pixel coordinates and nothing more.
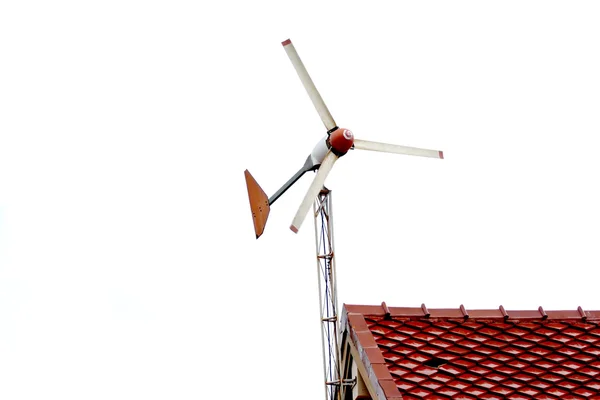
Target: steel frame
(328, 296)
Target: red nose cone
(341, 141)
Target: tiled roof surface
(477, 354)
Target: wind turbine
(335, 144)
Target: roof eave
(368, 357)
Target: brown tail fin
(259, 204)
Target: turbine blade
(394, 148)
(313, 191)
(310, 87)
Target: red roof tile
(420, 353)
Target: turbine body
(339, 142)
(335, 144)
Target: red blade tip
(294, 229)
(286, 42)
(441, 154)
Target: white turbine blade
(313, 191)
(394, 148)
(312, 91)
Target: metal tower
(328, 296)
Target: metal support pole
(327, 294)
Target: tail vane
(259, 204)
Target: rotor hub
(341, 140)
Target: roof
(419, 353)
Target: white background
(128, 264)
